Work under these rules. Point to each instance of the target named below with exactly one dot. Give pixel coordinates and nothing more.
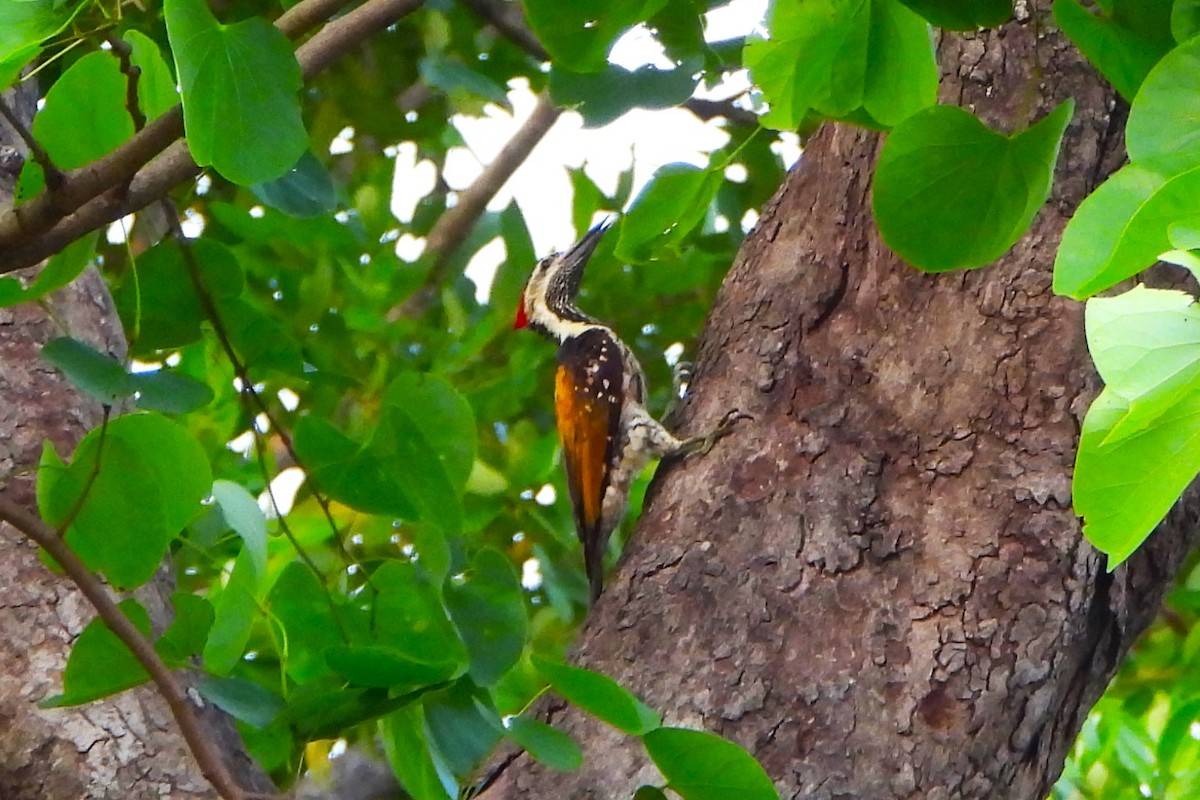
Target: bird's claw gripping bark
(702, 444)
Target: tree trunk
(878, 586)
(127, 746)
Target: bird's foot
(703, 443)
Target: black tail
(593, 562)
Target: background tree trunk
(878, 586)
(126, 747)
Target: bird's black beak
(578, 255)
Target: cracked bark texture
(124, 747)
(878, 586)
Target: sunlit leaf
(89, 96)
(600, 696)
(702, 766)
(952, 194)
(1163, 132)
(836, 58)
(1124, 53)
(121, 533)
(244, 515)
(156, 84)
(100, 664)
(1122, 227)
(545, 743)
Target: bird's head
(548, 301)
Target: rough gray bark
(126, 747)
(878, 586)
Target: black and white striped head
(548, 301)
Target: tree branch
(51, 229)
(81, 185)
(454, 225)
(143, 650)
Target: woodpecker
(600, 402)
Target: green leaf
(302, 606)
(241, 699)
(383, 667)
(321, 709)
(64, 267)
(547, 744)
(1137, 450)
(100, 664)
(1176, 733)
(30, 183)
(103, 378)
(122, 532)
(1124, 489)
(703, 766)
(487, 606)
(952, 194)
(235, 610)
(408, 751)
(159, 303)
(417, 462)
(600, 696)
(670, 207)
(347, 472)
(1146, 346)
(305, 190)
(1123, 53)
(1185, 20)
(242, 513)
(1122, 227)
(23, 27)
(100, 375)
(602, 97)
(1163, 132)
(170, 392)
(89, 96)
(578, 35)
(240, 83)
(188, 631)
(409, 615)
(444, 417)
(459, 730)
(962, 15)
(836, 58)
(403, 445)
(262, 343)
(156, 84)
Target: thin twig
(133, 74)
(77, 506)
(89, 196)
(254, 402)
(54, 176)
(172, 690)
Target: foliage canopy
(396, 598)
